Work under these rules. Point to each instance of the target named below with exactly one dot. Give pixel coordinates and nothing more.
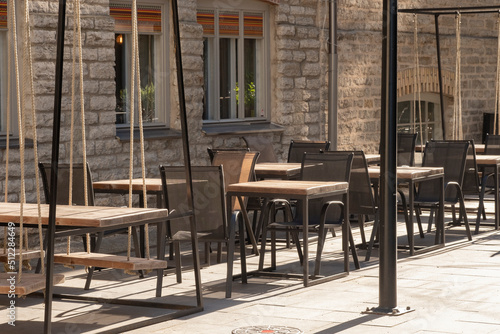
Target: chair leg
(372, 239)
(431, 220)
(207, 253)
(319, 250)
(466, 220)
(264, 220)
(178, 265)
(296, 240)
(353, 249)
(361, 222)
(273, 249)
(90, 272)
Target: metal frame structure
(49, 293)
(388, 213)
(436, 12)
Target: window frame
(161, 76)
(213, 89)
(425, 98)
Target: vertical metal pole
(332, 77)
(440, 75)
(54, 167)
(388, 237)
(185, 145)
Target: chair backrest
(263, 145)
(361, 197)
(406, 149)
(492, 144)
(452, 156)
(297, 149)
(239, 166)
(209, 202)
(78, 192)
(212, 151)
(327, 166)
(471, 182)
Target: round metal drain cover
(267, 329)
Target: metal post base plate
(388, 311)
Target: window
(409, 120)
(235, 53)
(153, 54)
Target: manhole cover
(267, 329)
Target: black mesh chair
(213, 151)
(452, 156)
(297, 149)
(406, 149)
(361, 197)
(325, 213)
(63, 175)
(209, 209)
(263, 145)
(471, 186)
(492, 144)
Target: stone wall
(299, 64)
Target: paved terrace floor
(455, 289)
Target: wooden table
(479, 148)
(278, 170)
(153, 187)
(291, 170)
(489, 162)
(411, 176)
(302, 191)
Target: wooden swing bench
(109, 261)
(29, 283)
(27, 255)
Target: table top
(285, 187)
(372, 158)
(282, 170)
(289, 170)
(407, 172)
(479, 148)
(123, 184)
(482, 159)
(80, 216)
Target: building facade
(251, 68)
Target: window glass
(431, 117)
(152, 44)
(234, 64)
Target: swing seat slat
(29, 283)
(27, 255)
(109, 261)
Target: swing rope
(496, 121)
(21, 121)
(457, 103)
(77, 39)
(136, 82)
(7, 148)
(416, 84)
(28, 59)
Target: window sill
(14, 142)
(150, 133)
(240, 128)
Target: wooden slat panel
(284, 187)
(109, 261)
(27, 255)
(90, 216)
(29, 283)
